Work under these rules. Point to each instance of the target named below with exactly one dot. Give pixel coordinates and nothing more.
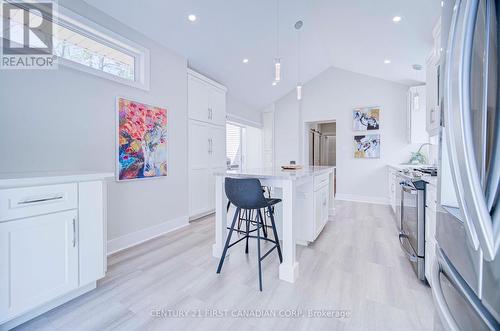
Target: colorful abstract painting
(367, 146)
(142, 140)
(364, 119)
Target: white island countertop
(306, 171)
(19, 179)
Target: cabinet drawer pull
(25, 202)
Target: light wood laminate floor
(356, 265)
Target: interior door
(38, 261)
(472, 119)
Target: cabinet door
(418, 133)
(200, 145)
(320, 209)
(218, 148)
(217, 105)
(38, 261)
(91, 238)
(201, 191)
(198, 99)
(432, 97)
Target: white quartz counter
(19, 179)
(306, 171)
(406, 166)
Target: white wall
(240, 112)
(331, 96)
(65, 120)
(253, 148)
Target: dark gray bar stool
(246, 194)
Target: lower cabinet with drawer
(52, 249)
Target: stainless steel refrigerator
(466, 276)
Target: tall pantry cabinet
(207, 141)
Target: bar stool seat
(246, 195)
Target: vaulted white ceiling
(356, 35)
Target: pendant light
(277, 60)
(298, 26)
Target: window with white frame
(82, 44)
(234, 146)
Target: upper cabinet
(206, 101)
(416, 115)
(433, 80)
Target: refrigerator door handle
(442, 307)
(454, 99)
(443, 266)
(472, 198)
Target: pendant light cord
(277, 28)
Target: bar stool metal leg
(258, 249)
(273, 225)
(228, 240)
(247, 235)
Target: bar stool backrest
(245, 193)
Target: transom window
(84, 45)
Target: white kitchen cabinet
(314, 208)
(218, 148)
(320, 209)
(416, 115)
(38, 259)
(217, 105)
(206, 100)
(433, 81)
(91, 231)
(207, 141)
(52, 242)
(200, 136)
(198, 96)
(207, 154)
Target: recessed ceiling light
(275, 83)
(245, 60)
(387, 61)
(396, 19)
(191, 17)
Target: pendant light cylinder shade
(299, 91)
(277, 70)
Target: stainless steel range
(412, 231)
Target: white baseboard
(135, 238)
(362, 198)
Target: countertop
(404, 166)
(18, 179)
(306, 171)
(431, 180)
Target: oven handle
(412, 257)
(408, 189)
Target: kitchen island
(307, 196)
